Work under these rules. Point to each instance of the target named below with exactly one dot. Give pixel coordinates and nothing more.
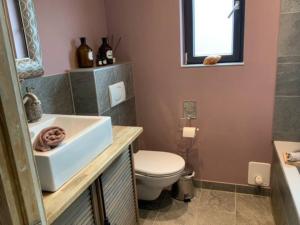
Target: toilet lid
(155, 163)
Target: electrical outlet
(259, 174)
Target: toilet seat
(158, 164)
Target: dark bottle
(85, 56)
(105, 54)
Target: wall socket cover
(259, 169)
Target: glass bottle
(105, 54)
(85, 56)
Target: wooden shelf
(56, 203)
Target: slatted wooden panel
(81, 212)
(118, 191)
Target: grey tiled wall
(287, 99)
(53, 91)
(284, 209)
(91, 94)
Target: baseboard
(238, 188)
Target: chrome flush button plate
(190, 109)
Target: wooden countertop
(56, 203)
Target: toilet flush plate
(117, 93)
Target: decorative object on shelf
(33, 106)
(105, 53)
(212, 60)
(85, 55)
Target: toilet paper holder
(189, 132)
(197, 129)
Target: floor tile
(208, 207)
(179, 212)
(147, 217)
(254, 210)
(216, 208)
(217, 200)
(164, 199)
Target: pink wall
(61, 23)
(235, 103)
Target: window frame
(238, 37)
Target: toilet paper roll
(189, 132)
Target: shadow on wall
(72, 54)
(188, 148)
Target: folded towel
(293, 156)
(49, 138)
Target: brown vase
(85, 55)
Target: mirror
(21, 20)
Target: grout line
(71, 90)
(235, 205)
(158, 212)
(290, 12)
(287, 96)
(288, 63)
(153, 223)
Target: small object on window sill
(212, 60)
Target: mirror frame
(31, 66)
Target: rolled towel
(293, 156)
(49, 138)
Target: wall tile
(284, 210)
(289, 44)
(287, 119)
(290, 5)
(289, 59)
(288, 79)
(218, 186)
(84, 93)
(53, 91)
(128, 113)
(124, 73)
(103, 78)
(91, 93)
(90, 87)
(253, 190)
(123, 114)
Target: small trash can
(183, 189)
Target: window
(213, 27)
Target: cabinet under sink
(111, 196)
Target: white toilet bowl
(155, 171)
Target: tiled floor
(209, 207)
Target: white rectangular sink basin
(86, 138)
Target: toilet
(155, 171)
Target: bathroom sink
(86, 138)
